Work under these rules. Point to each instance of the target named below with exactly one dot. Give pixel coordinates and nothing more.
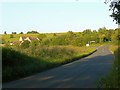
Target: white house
(87, 45)
(29, 38)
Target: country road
(82, 73)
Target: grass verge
(112, 80)
(22, 63)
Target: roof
(23, 37)
(30, 37)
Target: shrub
(24, 62)
(34, 43)
(41, 36)
(32, 32)
(25, 44)
(3, 41)
(11, 36)
(16, 65)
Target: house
(92, 41)
(29, 38)
(21, 39)
(87, 45)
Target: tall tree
(14, 33)
(115, 8)
(21, 33)
(5, 32)
(32, 32)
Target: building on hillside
(29, 38)
(92, 42)
(87, 44)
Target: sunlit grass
(24, 62)
(113, 48)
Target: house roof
(23, 37)
(30, 37)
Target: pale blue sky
(54, 16)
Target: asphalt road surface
(83, 73)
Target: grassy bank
(112, 80)
(18, 63)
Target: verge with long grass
(112, 79)
(18, 63)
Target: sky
(51, 16)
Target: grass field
(22, 63)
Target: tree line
(81, 38)
(102, 35)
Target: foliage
(3, 40)
(32, 32)
(25, 44)
(21, 33)
(14, 32)
(115, 7)
(87, 31)
(34, 43)
(16, 37)
(16, 65)
(23, 62)
(52, 50)
(103, 35)
(5, 32)
(41, 36)
(11, 36)
(54, 34)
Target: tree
(32, 32)
(87, 31)
(54, 34)
(115, 8)
(21, 33)
(70, 32)
(14, 33)
(5, 32)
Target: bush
(25, 44)
(16, 65)
(3, 41)
(24, 62)
(11, 36)
(41, 36)
(34, 43)
(32, 32)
